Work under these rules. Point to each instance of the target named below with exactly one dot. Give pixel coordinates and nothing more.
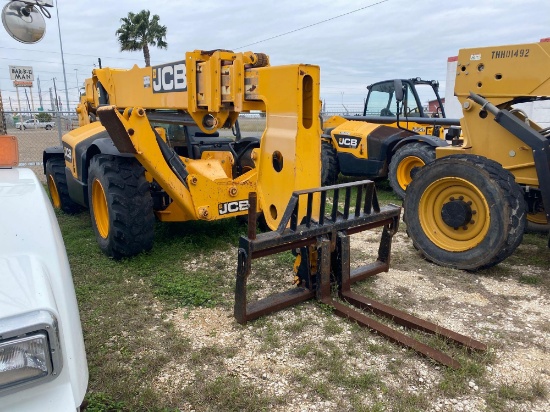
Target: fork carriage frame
(328, 234)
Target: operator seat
(386, 112)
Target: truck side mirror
(398, 86)
(23, 20)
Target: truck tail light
(9, 151)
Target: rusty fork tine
(396, 315)
(323, 294)
(393, 335)
(409, 321)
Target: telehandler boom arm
(213, 88)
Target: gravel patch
(511, 317)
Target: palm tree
(138, 33)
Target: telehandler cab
(468, 209)
(377, 145)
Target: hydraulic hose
(173, 160)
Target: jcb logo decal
(233, 207)
(418, 129)
(349, 142)
(169, 77)
(68, 153)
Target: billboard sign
(21, 73)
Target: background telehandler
(375, 145)
(468, 208)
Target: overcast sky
(370, 41)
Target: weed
(409, 402)
(358, 404)
(228, 393)
(530, 279)
(333, 327)
(270, 337)
(296, 326)
(188, 289)
(99, 402)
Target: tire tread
(130, 205)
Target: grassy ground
(127, 310)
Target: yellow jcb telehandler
(468, 209)
(156, 152)
(391, 139)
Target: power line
(71, 54)
(313, 24)
(44, 61)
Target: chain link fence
(33, 137)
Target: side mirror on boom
(398, 86)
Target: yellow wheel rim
(538, 218)
(405, 168)
(56, 200)
(101, 211)
(440, 233)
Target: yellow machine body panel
(121, 87)
(510, 152)
(501, 75)
(287, 160)
(290, 148)
(203, 83)
(421, 128)
(75, 137)
(345, 132)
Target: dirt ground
(494, 307)
(502, 307)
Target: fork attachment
(323, 241)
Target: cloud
(393, 39)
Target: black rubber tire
(533, 227)
(329, 164)
(57, 186)
(246, 163)
(506, 211)
(127, 200)
(408, 156)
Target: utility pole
(19, 104)
(51, 99)
(3, 129)
(62, 58)
(40, 94)
(32, 99)
(77, 86)
(27, 97)
(55, 90)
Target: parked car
(42, 358)
(34, 124)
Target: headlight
(30, 353)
